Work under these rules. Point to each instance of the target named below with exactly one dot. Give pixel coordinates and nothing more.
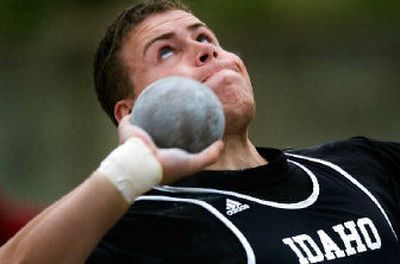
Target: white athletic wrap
(132, 168)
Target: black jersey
(334, 203)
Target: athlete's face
(178, 43)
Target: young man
(336, 203)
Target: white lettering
(303, 240)
(348, 238)
(308, 251)
(238, 209)
(332, 250)
(288, 241)
(365, 222)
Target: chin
(238, 118)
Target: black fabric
(177, 232)
(277, 181)
(375, 164)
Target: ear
(122, 108)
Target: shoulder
(369, 160)
(376, 164)
(355, 148)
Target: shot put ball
(179, 112)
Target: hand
(176, 163)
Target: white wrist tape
(132, 168)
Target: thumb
(178, 163)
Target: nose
(206, 53)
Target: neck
(239, 153)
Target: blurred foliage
(322, 70)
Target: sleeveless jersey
(333, 218)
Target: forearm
(71, 227)
(68, 230)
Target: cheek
(242, 68)
(231, 88)
(150, 74)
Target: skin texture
(178, 43)
(66, 231)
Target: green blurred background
(322, 70)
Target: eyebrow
(170, 35)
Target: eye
(202, 38)
(166, 52)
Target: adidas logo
(233, 207)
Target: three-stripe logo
(234, 207)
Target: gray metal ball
(179, 112)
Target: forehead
(157, 24)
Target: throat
(239, 153)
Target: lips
(209, 76)
(217, 69)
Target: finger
(124, 129)
(127, 130)
(178, 163)
(206, 157)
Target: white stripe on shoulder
(298, 205)
(251, 259)
(351, 179)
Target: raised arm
(67, 231)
